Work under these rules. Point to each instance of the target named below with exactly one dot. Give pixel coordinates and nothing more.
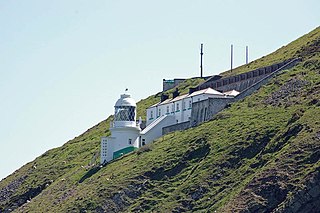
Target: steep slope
(259, 155)
(304, 47)
(74, 159)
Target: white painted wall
(104, 150)
(123, 135)
(151, 115)
(181, 109)
(186, 109)
(118, 140)
(154, 130)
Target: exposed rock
(198, 193)
(292, 88)
(120, 200)
(10, 189)
(310, 49)
(304, 200)
(14, 201)
(123, 198)
(318, 135)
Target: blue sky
(63, 64)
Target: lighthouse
(124, 130)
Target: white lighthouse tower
(124, 130)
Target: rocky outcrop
(283, 96)
(9, 201)
(7, 192)
(306, 199)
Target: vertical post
(201, 67)
(231, 57)
(247, 54)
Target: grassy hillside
(304, 47)
(259, 155)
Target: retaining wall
(175, 127)
(205, 110)
(241, 81)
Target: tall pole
(231, 57)
(201, 67)
(247, 54)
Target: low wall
(169, 84)
(241, 81)
(240, 86)
(175, 127)
(265, 80)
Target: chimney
(164, 97)
(176, 93)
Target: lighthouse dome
(125, 100)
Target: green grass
(297, 48)
(215, 166)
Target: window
(151, 114)
(143, 142)
(190, 104)
(183, 105)
(159, 112)
(124, 113)
(168, 110)
(177, 106)
(130, 141)
(172, 108)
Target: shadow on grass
(91, 172)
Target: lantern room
(125, 111)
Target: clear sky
(63, 64)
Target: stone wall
(242, 81)
(241, 85)
(265, 80)
(204, 110)
(175, 127)
(169, 84)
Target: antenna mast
(247, 54)
(201, 67)
(231, 56)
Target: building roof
(180, 97)
(232, 92)
(125, 100)
(161, 103)
(208, 91)
(170, 100)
